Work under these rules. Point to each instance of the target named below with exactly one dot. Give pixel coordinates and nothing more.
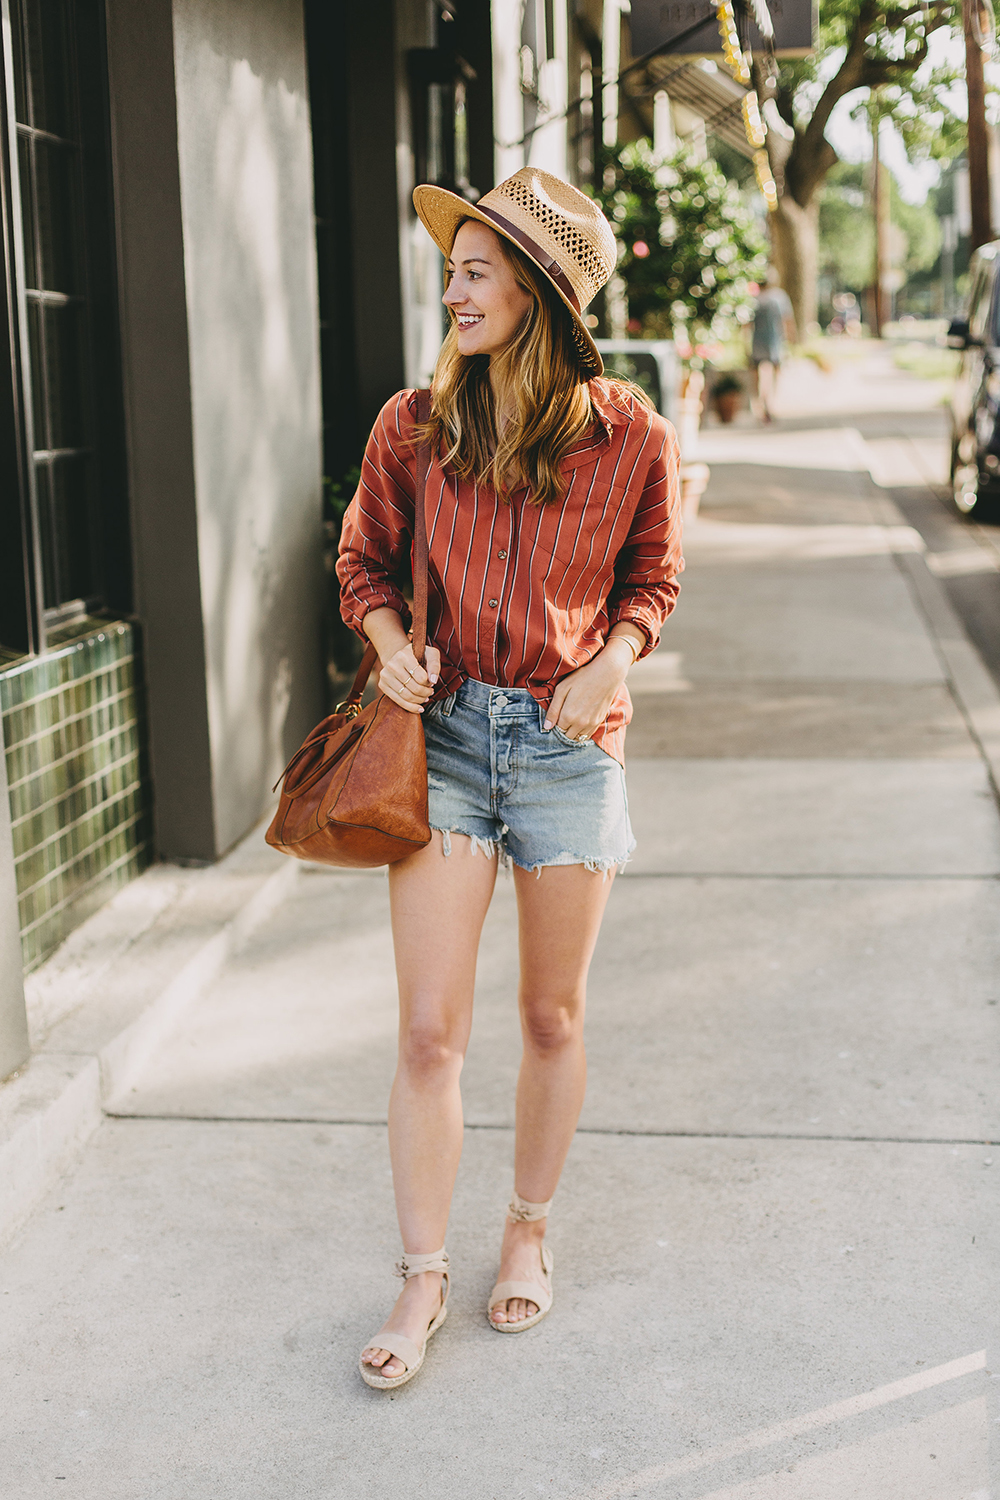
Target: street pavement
(776, 1236)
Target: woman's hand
(402, 678)
(583, 699)
(406, 682)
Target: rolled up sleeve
(645, 589)
(376, 536)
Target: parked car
(975, 401)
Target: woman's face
(484, 297)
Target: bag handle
(352, 703)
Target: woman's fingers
(406, 682)
(574, 715)
(553, 716)
(411, 704)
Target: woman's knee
(551, 1026)
(431, 1047)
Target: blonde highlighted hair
(536, 379)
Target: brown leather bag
(355, 793)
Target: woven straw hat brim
(441, 212)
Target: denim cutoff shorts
(534, 796)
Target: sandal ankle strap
(416, 1265)
(523, 1212)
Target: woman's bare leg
(560, 915)
(438, 908)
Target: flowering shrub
(689, 246)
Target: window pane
(36, 344)
(50, 586)
(70, 503)
(25, 172)
(64, 377)
(55, 184)
(21, 111)
(44, 23)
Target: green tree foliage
(877, 47)
(867, 45)
(847, 230)
(689, 244)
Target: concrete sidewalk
(776, 1236)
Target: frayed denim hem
(490, 847)
(497, 848)
(600, 867)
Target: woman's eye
(475, 275)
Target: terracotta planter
(727, 404)
(694, 480)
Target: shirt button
(493, 603)
(501, 555)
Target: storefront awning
(707, 91)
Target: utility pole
(880, 210)
(978, 148)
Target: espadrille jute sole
(529, 1291)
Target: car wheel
(972, 497)
(965, 486)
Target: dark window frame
(61, 423)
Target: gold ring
(582, 738)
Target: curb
(975, 691)
(973, 687)
(56, 1102)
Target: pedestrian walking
(773, 326)
(553, 520)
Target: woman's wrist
(384, 628)
(627, 639)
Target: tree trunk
(795, 242)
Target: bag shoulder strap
(352, 703)
(420, 534)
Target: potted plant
(689, 246)
(727, 396)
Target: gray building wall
(213, 173)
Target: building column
(220, 330)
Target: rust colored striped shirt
(522, 594)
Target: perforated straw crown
(559, 228)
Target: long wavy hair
(536, 380)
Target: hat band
(547, 262)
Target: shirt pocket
(588, 532)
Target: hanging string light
(732, 50)
(753, 124)
(765, 181)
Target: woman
(554, 533)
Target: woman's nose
(452, 296)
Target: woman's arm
(402, 678)
(644, 593)
(374, 543)
(375, 537)
(582, 700)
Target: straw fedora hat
(559, 228)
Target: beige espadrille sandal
(523, 1212)
(412, 1354)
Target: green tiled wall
(76, 768)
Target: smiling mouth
(469, 320)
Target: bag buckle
(349, 707)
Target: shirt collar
(609, 411)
